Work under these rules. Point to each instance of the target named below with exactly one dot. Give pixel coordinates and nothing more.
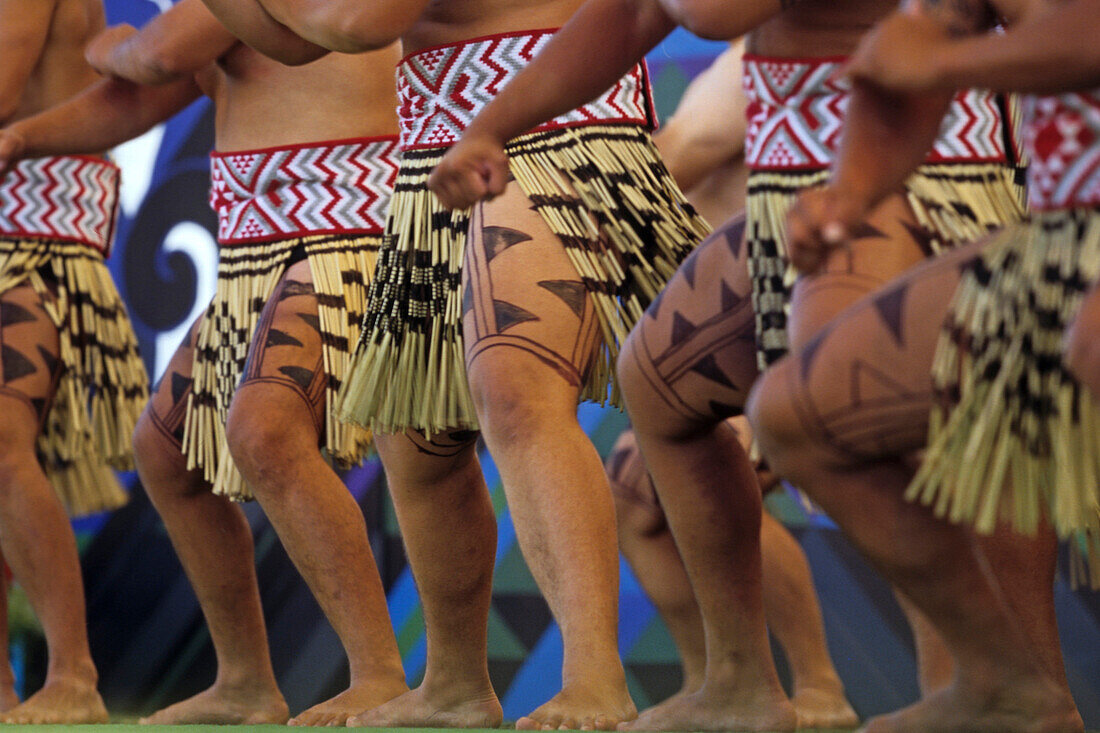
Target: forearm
(248, 21)
(592, 51)
(347, 26)
(886, 137)
(103, 116)
(1053, 52)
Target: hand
(475, 168)
(820, 221)
(100, 50)
(12, 145)
(900, 54)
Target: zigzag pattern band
(441, 89)
(68, 198)
(796, 113)
(303, 190)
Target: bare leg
(840, 418)
(274, 431)
(687, 366)
(935, 668)
(1083, 345)
(794, 616)
(530, 331)
(214, 543)
(790, 604)
(647, 544)
(8, 698)
(37, 540)
(446, 517)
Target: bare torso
(261, 103)
(61, 70)
(818, 28)
(450, 21)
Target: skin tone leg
(530, 332)
(842, 418)
(446, 517)
(698, 338)
(213, 541)
(1082, 345)
(790, 604)
(274, 430)
(35, 534)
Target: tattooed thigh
(522, 292)
(862, 386)
(167, 408)
(886, 244)
(696, 344)
(29, 349)
(286, 347)
(447, 444)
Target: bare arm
(887, 134)
(102, 116)
(174, 44)
(707, 130)
(248, 21)
(1054, 48)
(24, 27)
(348, 26)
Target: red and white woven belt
(441, 89)
(72, 198)
(1062, 134)
(796, 114)
(340, 187)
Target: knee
(160, 462)
(650, 411)
(779, 434)
(259, 441)
(513, 403)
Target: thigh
(696, 346)
(523, 295)
(861, 388)
(885, 245)
(31, 364)
(167, 408)
(286, 345)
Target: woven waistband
(338, 187)
(796, 112)
(71, 198)
(441, 89)
(1062, 135)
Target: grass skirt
(1016, 437)
(954, 203)
(247, 276)
(103, 386)
(602, 189)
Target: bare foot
(581, 708)
(1031, 706)
(63, 700)
(355, 699)
(823, 709)
(735, 709)
(223, 705)
(8, 698)
(421, 709)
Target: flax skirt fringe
(247, 276)
(624, 224)
(1017, 437)
(103, 385)
(954, 204)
